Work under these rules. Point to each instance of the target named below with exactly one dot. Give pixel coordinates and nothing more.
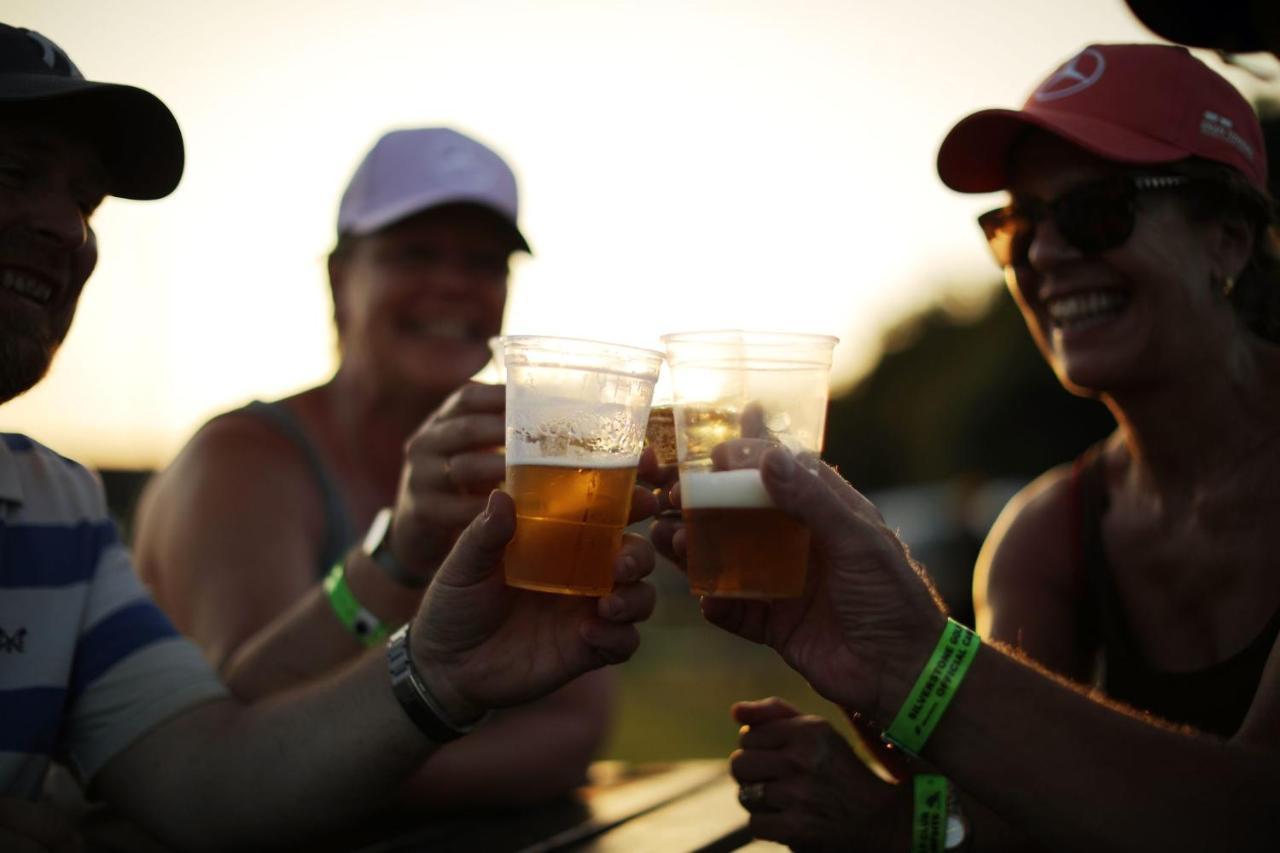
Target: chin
(23, 363)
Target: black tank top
(1214, 699)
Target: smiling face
(1125, 316)
(50, 184)
(417, 302)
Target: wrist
(416, 698)
(938, 824)
(378, 544)
(454, 705)
(360, 622)
(901, 664)
(393, 603)
(937, 684)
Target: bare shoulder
(234, 454)
(228, 535)
(1032, 540)
(1027, 583)
(236, 472)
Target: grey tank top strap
(340, 532)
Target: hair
(342, 248)
(1218, 191)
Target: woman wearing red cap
(1140, 244)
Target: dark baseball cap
(132, 130)
(1223, 24)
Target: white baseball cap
(410, 171)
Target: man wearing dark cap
(94, 676)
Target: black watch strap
(414, 698)
(377, 544)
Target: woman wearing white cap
(249, 538)
(1139, 241)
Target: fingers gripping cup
(576, 415)
(738, 394)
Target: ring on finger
(751, 796)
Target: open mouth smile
(26, 284)
(1085, 308)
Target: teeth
(26, 285)
(1082, 307)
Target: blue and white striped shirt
(88, 663)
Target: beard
(25, 356)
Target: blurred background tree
(960, 392)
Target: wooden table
(685, 806)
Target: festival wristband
(929, 818)
(366, 627)
(934, 689)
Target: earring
(1228, 286)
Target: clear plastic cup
(736, 395)
(576, 416)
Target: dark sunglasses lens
(1096, 218)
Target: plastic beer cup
(576, 416)
(736, 395)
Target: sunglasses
(1092, 218)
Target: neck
(1185, 435)
(372, 425)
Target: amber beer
(739, 545)
(660, 434)
(569, 523)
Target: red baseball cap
(1131, 103)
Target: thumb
(801, 493)
(763, 711)
(478, 550)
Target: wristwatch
(414, 697)
(377, 545)
(956, 836)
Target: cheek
(85, 260)
(496, 301)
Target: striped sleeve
(131, 671)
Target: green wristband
(934, 689)
(929, 819)
(366, 627)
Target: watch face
(955, 832)
(377, 535)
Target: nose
(1048, 247)
(450, 276)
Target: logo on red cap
(1077, 74)
(1221, 127)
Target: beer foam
(579, 434)
(741, 489)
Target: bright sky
(684, 164)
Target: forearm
(1080, 775)
(523, 756)
(307, 640)
(228, 776)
